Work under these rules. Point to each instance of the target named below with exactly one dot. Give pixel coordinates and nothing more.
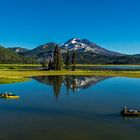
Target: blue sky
(113, 24)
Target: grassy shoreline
(12, 76)
(76, 65)
(20, 65)
(12, 73)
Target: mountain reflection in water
(71, 82)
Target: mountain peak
(76, 40)
(84, 45)
(87, 52)
(47, 45)
(72, 41)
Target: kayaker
(125, 109)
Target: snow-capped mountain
(85, 45)
(87, 53)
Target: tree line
(9, 57)
(57, 62)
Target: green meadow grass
(12, 76)
(11, 73)
(18, 65)
(12, 80)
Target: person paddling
(125, 109)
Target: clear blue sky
(113, 24)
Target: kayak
(9, 95)
(130, 112)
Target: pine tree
(73, 61)
(58, 62)
(50, 65)
(55, 58)
(44, 64)
(67, 61)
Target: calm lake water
(70, 108)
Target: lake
(70, 108)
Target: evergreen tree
(50, 65)
(58, 62)
(67, 61)
(59, 59)
(44, 64)
(55, 58)
(74, 60)
(8, 56)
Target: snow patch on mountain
(85, 45)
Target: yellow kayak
(9, 96)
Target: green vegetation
(90, 65)
(57, 60)
(12, 80)
(41, 51)
(19, 74)
(7, 57)
(16, 74)
(74, 61)
(91, 58)
(67, 61)
(18, 66)
(83, 65)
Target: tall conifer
(74, 60)
(67, 61)
(58, 62)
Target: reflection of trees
(56, 82)
(67, 80)
(71, 82)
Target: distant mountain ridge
(41, 50)
(87, 53)
(7, 56)
(19, 50)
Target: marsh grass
(11, 73)
(18, 65)
(22, 75)
(12, 80)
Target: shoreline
(13, 76)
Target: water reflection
(87, 116)
(73, 83)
